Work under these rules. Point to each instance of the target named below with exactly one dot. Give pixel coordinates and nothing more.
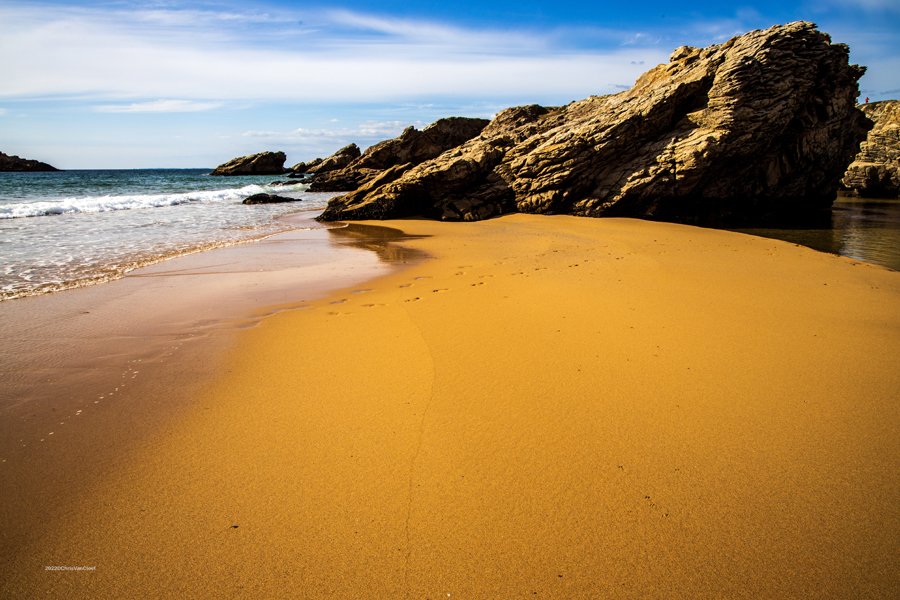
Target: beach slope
(549, 406)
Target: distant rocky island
(759, 128)
(876, 169)
(14, 163)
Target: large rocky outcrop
(14, 163)
(762, 125)
(263, 163)
(876, 169)
(410, 148)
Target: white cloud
(3, 111)
(428, 34)
(348, 57)
(159, 106)
(365, 131)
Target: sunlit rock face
(761, 126)
(410, 148)
(263, 163)
(876, 169)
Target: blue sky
(125, 84)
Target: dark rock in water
(284, 182)
(876, 170)
(761, 126)
(14, 163)
(268, 199)
(411, 147)
(263, 163)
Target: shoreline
(90, 375)
(553, 405)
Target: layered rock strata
(876, 169)
(411, 148)
(762, 126)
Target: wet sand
(547, 407)
(89, 376)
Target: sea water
(72, 228)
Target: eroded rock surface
(338, 160)
(761, 126)
(412, 147)
(876, 169)
(262, 163)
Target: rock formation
(263, 163)
(14, 163)
(338, 160)
(302, 168)
(268, 199)
(763, 125)
(876, 169)
(410, 148)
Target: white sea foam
(98, 204)
(115, 221)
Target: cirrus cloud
(159, 106)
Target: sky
(143, 84)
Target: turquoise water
(71, 228)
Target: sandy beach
(551, 407)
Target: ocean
(72, 228)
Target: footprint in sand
(341, 301)
(477, 283)
(363, 291)
(405, 285)
(416, 299)
(441, 290)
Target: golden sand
(547, 407)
